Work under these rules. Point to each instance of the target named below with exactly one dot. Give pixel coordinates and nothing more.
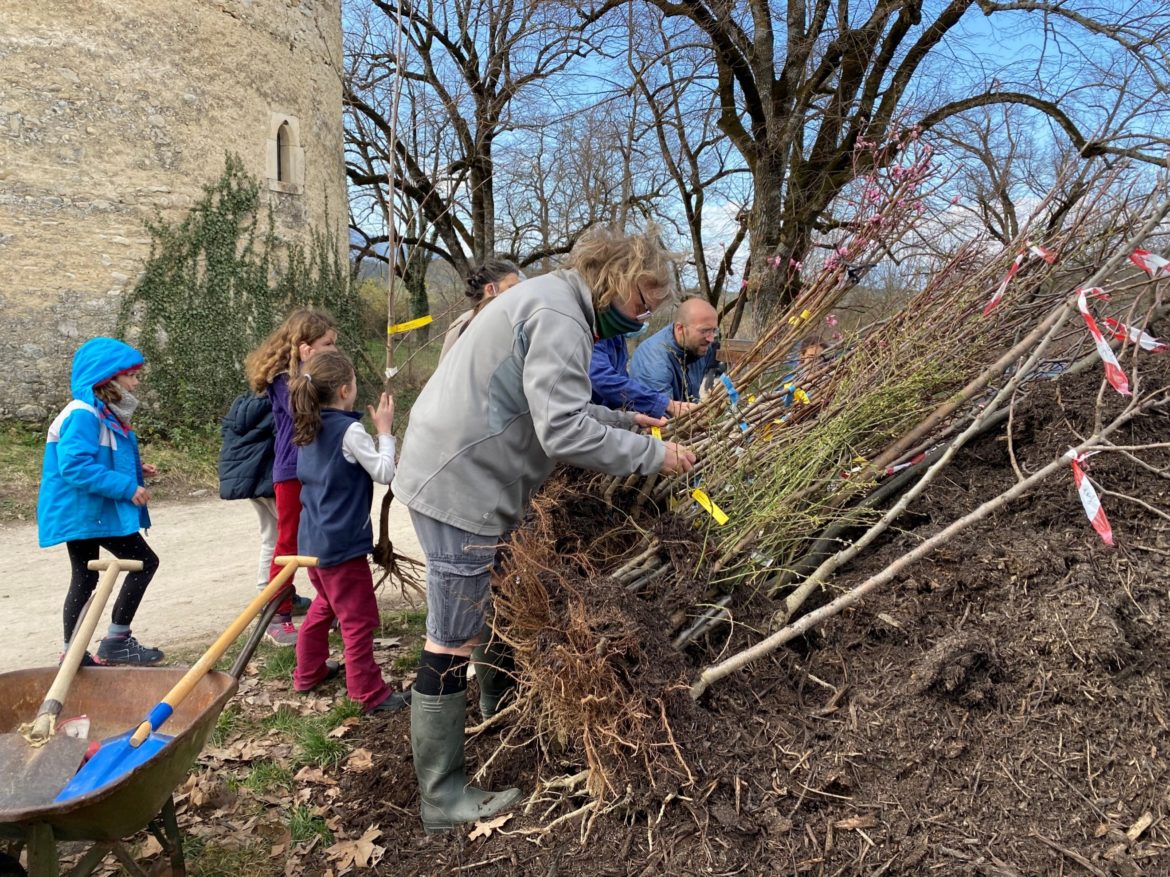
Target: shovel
(36, 762)
(119, 755)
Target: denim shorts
(459, 576)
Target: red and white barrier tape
(1030, 249)
(995, 299)
(1089, 498)
(1151, 263)
(913, 461)
(1136, 336)
(1114, 374)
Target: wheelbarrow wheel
(10, 867)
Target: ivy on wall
(214, 285)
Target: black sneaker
(127, 650)
(395, 701)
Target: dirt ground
(1002, 710)
(208, 553)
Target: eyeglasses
(647, 311)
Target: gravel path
(207, 574)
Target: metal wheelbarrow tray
(115, 698)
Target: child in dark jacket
(93, 492)
(337, 465)
(245, 467)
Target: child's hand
(383, 417)
(141, 496)
(149, 470)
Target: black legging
(84, 580)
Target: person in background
(510, 402)
(484, 282)
(674, 359)
(337, 467)
(304, 332)
(93, 492)
(246, 454)
(614, 388)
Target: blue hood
(98, 360)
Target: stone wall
(113, 112)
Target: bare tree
(467, 66)
(680, 111)
(803, 85)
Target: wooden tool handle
(191, 678)
(42, 727)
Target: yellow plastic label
(713, 510)
(399, 328)
(656, 432)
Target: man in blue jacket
(614, 388)
(674, 359)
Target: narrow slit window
(283, 157)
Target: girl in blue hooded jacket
(93, 492)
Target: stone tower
(113, 112)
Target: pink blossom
(774, 261)
(743, 284)
(837, 336)
(955, 199)
(831, 319)
(795, 265)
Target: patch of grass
(285, 719)
(22, 448)
(277, 662)
(210, 859)
(345, 709)
(315, 746)
(227, 722)
(304, 826)
(267, 775)
(409, 660)
(186, 464)
(404, 622)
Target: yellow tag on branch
(656, 431)
(709, 506)
(800, 396)
(399, 328)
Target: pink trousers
(345, 591)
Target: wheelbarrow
(114, 699)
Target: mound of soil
(1001, 710)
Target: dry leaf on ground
(360, 853)
(485, 829)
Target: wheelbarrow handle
(44, 723)
(163, 710)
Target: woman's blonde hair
(280, 351)
(317, 385)
(613, 263)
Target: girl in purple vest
(279, 358)
(337, 465)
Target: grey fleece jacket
(509, 402)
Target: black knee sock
(441, 674)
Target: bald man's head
(695, 326)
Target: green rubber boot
(436, 739)
(495, 671)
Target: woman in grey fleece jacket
(501, 410)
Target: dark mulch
(1000, 710)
